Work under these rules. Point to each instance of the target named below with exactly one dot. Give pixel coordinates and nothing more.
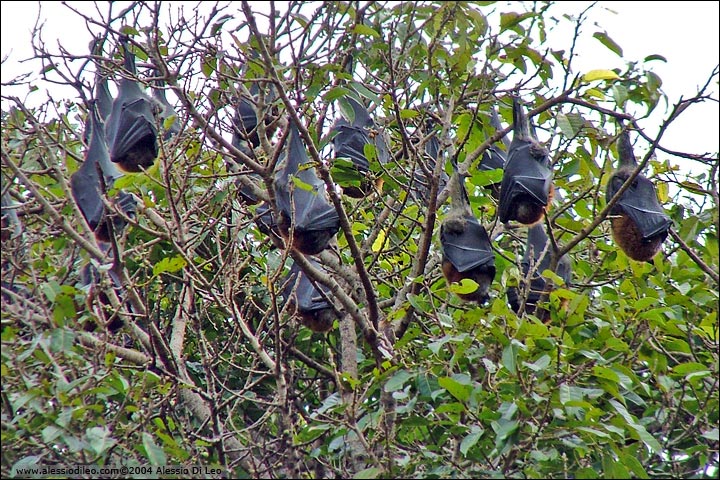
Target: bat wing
(309, 298)
(641, 204)
(85, 188)
(469, 249)
(246, 122)
(130, 127)
(103, 98)
(311, 208)
(492, 158)
(305, 199)
(349, 142)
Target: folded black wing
(468, 249)
(308, 295)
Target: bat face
(131, 131)
(537, 256)
(641, 204)
(307, 219)
(309, 299)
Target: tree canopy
(200, 327)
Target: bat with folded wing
(351, 137)
(306, 220)
(639, 223)
(527, 184)
(96, 175)
(467, 252)
(309, 300)
(538, 252)
(131, 131)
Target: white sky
(686, 33)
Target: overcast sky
(686, 33)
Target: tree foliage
(211, 367)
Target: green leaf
(99, 440)
(361, 29)
(508, 358)
(334, 93)
(465, 286)
(593, 75)
(379, 242)
(471, 439)
(169, 265)
(397, 381)
(455, 388)
(153, 452)
(641, 432)
(650, 58)
(609, 43)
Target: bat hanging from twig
(467, 252)
(131, 131)
(306, 220)
(537, 259)
(350, 141)
(639, 223)
(309, 300)
(527, 185)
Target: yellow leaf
(663, 192)
(593, 75)
(594, 92)
(379, 242)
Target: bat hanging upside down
(639, 223)
(467, 252)
(527, 185)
